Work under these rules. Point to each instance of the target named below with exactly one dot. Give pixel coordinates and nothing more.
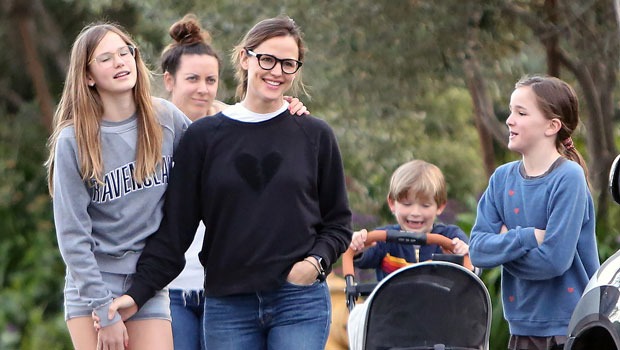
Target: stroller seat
(430, 305)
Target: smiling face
(415, 213)
(529, 129)
(266, 87)
(194, 85)
(116, 76)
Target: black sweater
(269, 193)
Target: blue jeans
(187, 319)
(291, 317)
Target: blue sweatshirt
(388, 257)
(541, 284)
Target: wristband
(318, 272)
(321, 276)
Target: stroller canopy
(424, 305)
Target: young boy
(417, 195)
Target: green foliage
(31, 270)
(387, 76)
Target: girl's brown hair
(557, 99)
(262, 31)
(189, 39)
(81, 107)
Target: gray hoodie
(103, 227)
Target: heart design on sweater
(570, 290)
(511, 192)
(516, 210)
(511, 298)
(258, 174)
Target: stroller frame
(460, 293)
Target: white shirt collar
(242, 114)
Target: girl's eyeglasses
(106, 59)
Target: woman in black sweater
(270, 190)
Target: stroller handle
(401, 237)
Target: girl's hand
(125, 305)
(296, 106)
(303, 273)
(113, 337)
(503, 230)
(459, 247)
(540, 235)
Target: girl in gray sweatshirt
(109, 164)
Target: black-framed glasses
(267, 62)
(107, 59)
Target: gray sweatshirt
(103, 227)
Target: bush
(31, 270)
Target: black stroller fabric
(426, 307)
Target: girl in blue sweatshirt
(536, 218)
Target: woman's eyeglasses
(267, 62)
(106, 59)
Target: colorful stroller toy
(435, 305)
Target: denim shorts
(158, 307)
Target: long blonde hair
(81, 107)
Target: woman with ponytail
(536, 218)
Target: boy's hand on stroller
(540, 235)
(303, 272)
(460, 247)
(358, 241)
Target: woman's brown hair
(262, 31)
(189, 39)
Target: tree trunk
(20, 16)
(551, 43)
(479, 97)
(486, 122)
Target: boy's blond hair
(420, 179)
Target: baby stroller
(595, 323)
(435, 305)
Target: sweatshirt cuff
(323, 254)
(527, 238)
(102, 313)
